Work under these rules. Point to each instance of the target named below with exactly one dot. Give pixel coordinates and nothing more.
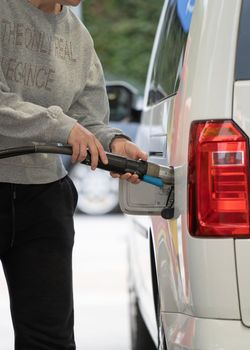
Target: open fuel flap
(146, 199)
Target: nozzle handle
(120, 165)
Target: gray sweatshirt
(50, 78)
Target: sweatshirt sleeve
(91, 108)
(28, 121)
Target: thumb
(140, 154)
(133, 151)
(143, 155)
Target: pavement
(100, 286)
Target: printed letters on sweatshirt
(21, 36)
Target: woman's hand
(130, 150)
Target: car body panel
(191, 274)
(211, 57)
(188, 333)
(242, 247)
(141, 261)
(243, 260)
(241, 109)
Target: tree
(123, 32)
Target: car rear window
(242, 71)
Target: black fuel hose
(148, 172)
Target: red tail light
(218, 180)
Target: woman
(51, 90)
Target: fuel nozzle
(152, 173)
(161, 172)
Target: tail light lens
(218, 180)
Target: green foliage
(123, 32)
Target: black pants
(36, 241)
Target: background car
(189, 273)
(97, 190)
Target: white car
(190, 274)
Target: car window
(170, 50)
(242, 68)
(120, 102)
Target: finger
(125, 176)
(115, 175)
(134, 182)
(94, 154)
(102, 153)
(137, 182)
(139, 154)
(143, 155)
(134, 178)
(75, 152)
(135, 152)
(83, 153)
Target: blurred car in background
(97, 190)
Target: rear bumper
(189, 333)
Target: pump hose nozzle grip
(120, 165)
(148, 172)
